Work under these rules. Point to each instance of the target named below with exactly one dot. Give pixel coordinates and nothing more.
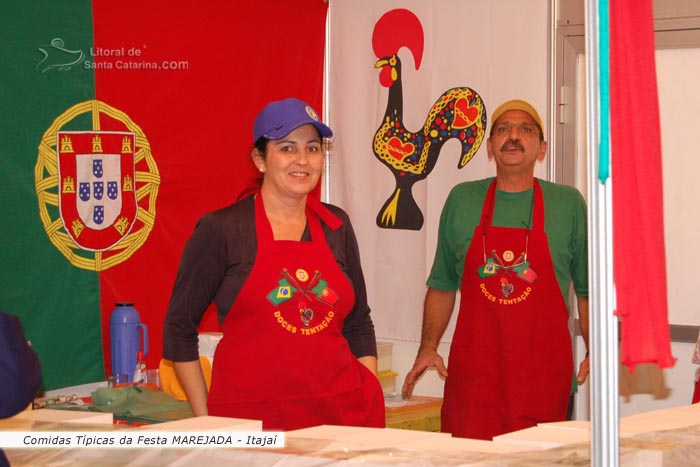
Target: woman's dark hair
(261, 145)
(255, 183)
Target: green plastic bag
(135, 404)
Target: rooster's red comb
(395, 29)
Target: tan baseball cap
(517, 104)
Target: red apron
(511, 363)
(283, 358)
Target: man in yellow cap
(512, 245)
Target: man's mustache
(513, 142)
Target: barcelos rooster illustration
(458, 113)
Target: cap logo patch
(311, 113)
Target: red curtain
(638, 239)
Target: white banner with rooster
(411, 83)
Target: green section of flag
(318, 290)
(57, 302)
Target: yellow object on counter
(415, 413)
(171, 384)
(387, 379)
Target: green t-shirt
(565, 225)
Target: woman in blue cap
(283, 270)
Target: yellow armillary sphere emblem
(97, 183)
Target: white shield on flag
(97, 190)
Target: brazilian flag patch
(488, 269)
(283, 292)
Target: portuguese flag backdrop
(188, 79)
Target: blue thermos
(125, 338)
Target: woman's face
(293, 164)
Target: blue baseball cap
(279, 118)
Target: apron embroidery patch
(495, 266)
(307, 289)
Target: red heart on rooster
(464, 115)
(399, 150)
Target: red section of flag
(193, 76)
(638, 239)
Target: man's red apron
(511, 363)
(283, 358)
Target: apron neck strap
(328, 218)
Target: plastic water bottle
(125, 338)
(140, 369)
